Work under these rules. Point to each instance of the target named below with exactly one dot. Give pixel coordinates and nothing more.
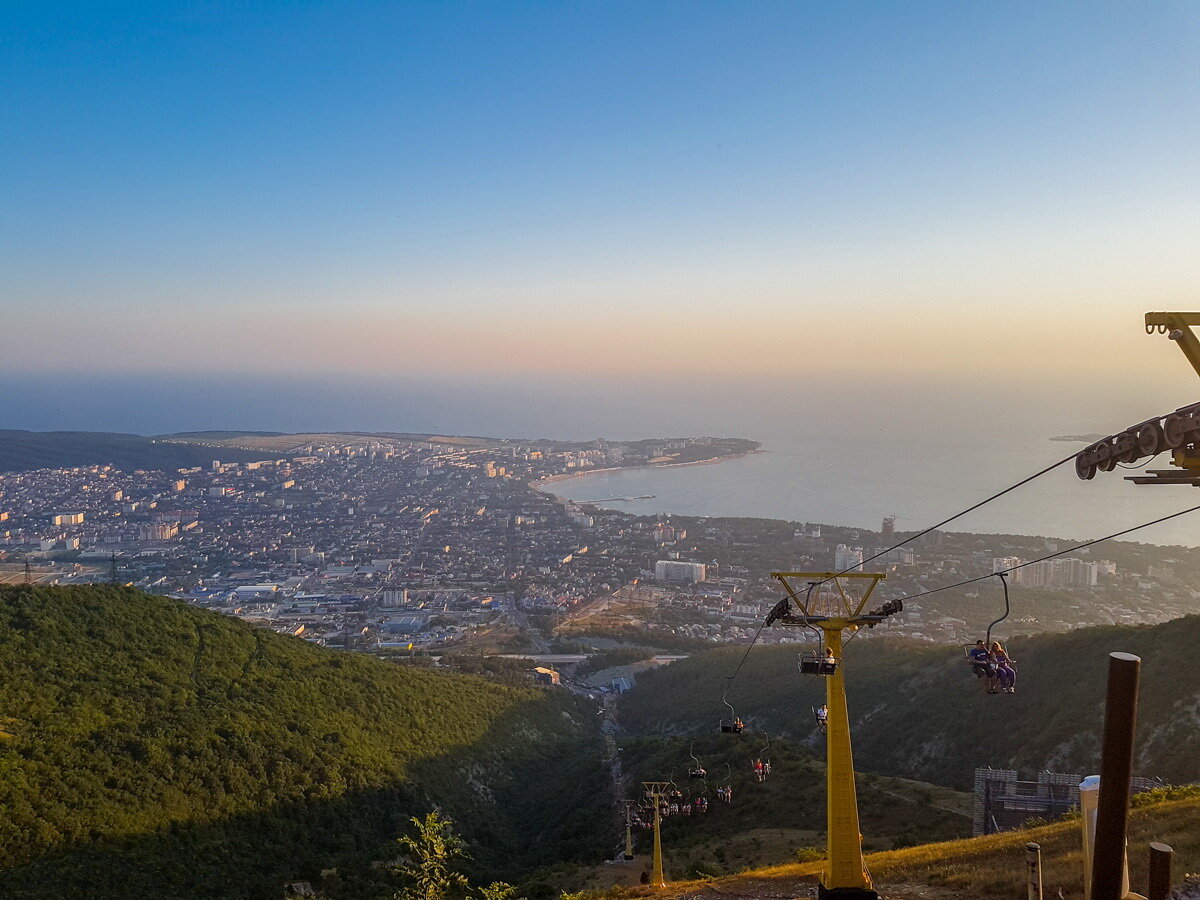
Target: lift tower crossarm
(1178, 327)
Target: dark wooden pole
(1116, 771)
(1160, 872)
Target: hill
(150, 749)
(917, 712)
(23, 450)
(987, 868)
(767, 821)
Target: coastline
(538, 485)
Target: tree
(432, 850)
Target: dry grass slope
(987, 868)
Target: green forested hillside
(917, 712)
(149, 749)
(21, 450)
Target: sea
(836, 449)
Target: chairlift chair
(813, 663)
(989, 677)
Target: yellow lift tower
(1178, 432)
(824, 603)
(655, 791)
(629, 805)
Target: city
(406, 546)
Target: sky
(585, 194)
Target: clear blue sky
(368, 187)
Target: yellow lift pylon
(822, 602)
(629, 805)
(655, 790)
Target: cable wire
(1048, 556)
(959, 515)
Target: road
(521, 622)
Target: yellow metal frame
(655, 789)
(1177, 326)
(845, 870)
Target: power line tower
(655, 791)
(112, 569)
(28, 573)
(823, 603)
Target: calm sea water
(837, 450)
(800, 478)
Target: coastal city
(409, 545)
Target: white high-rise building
(847, 558)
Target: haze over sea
(837, 451)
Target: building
(888, 531)
(160, 531)
(847, 559)
(68, 519)
(674, 571)
(898, 556)
(1063, 573)
(1003, 803)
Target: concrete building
(674, 571)
(847, 558)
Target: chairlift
(813, 663)
(697, 770)
(762, 762)
(984, 669)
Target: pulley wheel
(1106, 460)
(1125, 447)
(1150, 439)
(1085, 464)
(1177, 430)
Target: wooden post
(1116, 771)
(1160, 872)
(1033, 870)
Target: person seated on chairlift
(698, 772)
(729, 793)
(822, 714)
(1004, 668)
(983, 666)
(766, 768)
(737, 725)
(758, 769)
